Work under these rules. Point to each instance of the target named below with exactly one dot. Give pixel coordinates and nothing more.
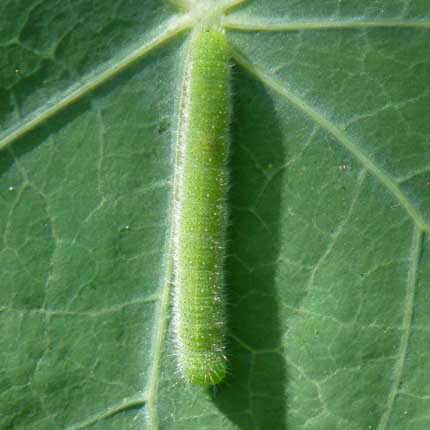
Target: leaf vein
(408, 309)
(353, 24)
(165, 32)
(160, 328)
(340, 136)
(110, 412)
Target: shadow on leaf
(253, 395)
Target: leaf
(329, 252)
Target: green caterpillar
(200, 210)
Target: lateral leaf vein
(163, 33)
(340, 136)
(408, 313)
(353, 24)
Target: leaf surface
(328, 262)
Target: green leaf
(328, 266)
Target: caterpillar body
(200, 213)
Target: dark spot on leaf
(163, 125)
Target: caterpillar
(200, 214)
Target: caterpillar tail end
(205, 371)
